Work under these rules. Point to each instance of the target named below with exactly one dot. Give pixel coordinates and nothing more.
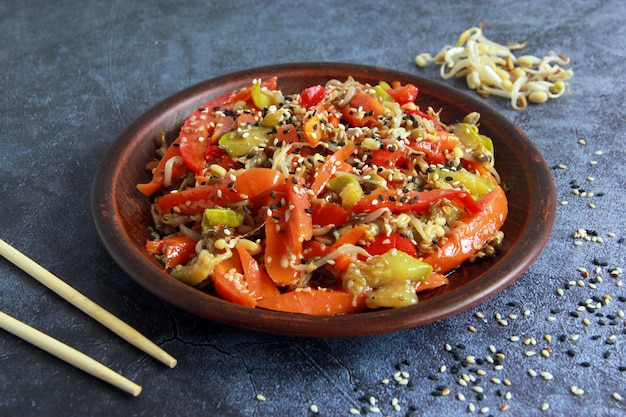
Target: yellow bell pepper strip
(316, 302)
(328, 168)
(479, 228)
(252, 184)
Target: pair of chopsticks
(65, 352)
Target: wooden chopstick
(67, 353)
(71, 295)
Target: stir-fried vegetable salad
(335, 199)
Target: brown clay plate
(121, 213)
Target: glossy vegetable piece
(221, 217)
(315, 302)
(477, 185)
(202, 129)
(312, 96)
(250, 184)
(300, 223)
(280, 247)
(176, 249)
(199, 268)
(384, 243)
(259, 284)
(481, 227)
(230, 284)
(264, 97)
(351, 237)
(434, 280)
(363, 110)
(403, 266)
(158, 175)
(348, 189)
(328, 168)
(403, 94)
(244, 141)
(412, 201)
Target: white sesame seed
(354, 411)
(545, 353)
(442, 369)
(532, 372)
(582, 142)
(545, 406)
(508, 395)
(460, 396)
(471, 407)
(470, 359)
(477, 388)
(617, 396)
(484, 410)
(260, 397)
(496, 380)
(547, 375)
(550, 318)
(506, 382)
(471, 329)
(462, 382)
(480, 315)
(514, 338)
(314, 408)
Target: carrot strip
(259, 283)
(434, 280)
(481, 226)
(229, 282)
(315, 302)
(328, 168)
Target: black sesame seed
(607, 354)
(570, 353)
(585, 364)
(573, 314)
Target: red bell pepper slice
(403, 94)
(312, 95)
(383, 244)
(412, 201)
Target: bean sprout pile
(491, 69)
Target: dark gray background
(73, 74)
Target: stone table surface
(73, 74)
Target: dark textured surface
(74, 74)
